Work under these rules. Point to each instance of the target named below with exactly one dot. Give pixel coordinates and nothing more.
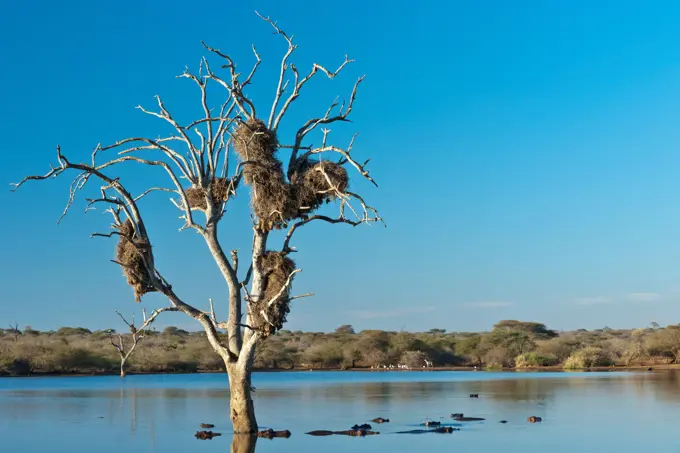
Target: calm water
(622, 412)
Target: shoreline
(621, 368)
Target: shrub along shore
(509, 345)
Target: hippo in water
(271, 434)
(357, 432)
(381, 420)
(349, 432)
(432, 423)
(320, 432)
(441, 429)
(445, 429)
(206, 435)
(364, 427)
(468, 419)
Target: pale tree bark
(136, 335)
(243, 443)
(196, 159)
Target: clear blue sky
(528, 155)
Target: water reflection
(163, 418)
(243, 444)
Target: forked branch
(274, 118)
(136, 335)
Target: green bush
(534, 359)
(324, 354)
(587, 358)
(68, 331)
(511, 343)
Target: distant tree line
(510, 344)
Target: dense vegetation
(508, 344)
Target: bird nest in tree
(275, 299)
(254, 142)
(132, 252)
(275, 201)
(271, 197)
(220, 188)
(318, 182)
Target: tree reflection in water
(243, 443)
(566, 402)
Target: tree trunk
(122, 368)
(241, 407)
(243, 443)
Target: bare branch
(221, 145)
(299, 84)
(284, 66)
(137, 334)
(366, 218)
(165, 115)
(148, 321)
(254, 70)
(249, 274)
(106, 235)
(113, 183)
(153, 189)
(208, 117)
(346, 157)
(342, 115)
(129, 201)
(158, 145)
(313, 123)
(236, 88)
(283, 289)
(212, 312)
(15, 331)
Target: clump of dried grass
(132, 251)
(220, 192)
(276, 268)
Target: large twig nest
(132, 252)
(271, 198)
(254, 142)
(276, 268)
(273, 202)
(318, 182)
(221, 191)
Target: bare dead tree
(15, 331)
(196, 158)
(136, 335)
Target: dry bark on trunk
(241, 407)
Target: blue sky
(528, 156)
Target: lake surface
(613, 411)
